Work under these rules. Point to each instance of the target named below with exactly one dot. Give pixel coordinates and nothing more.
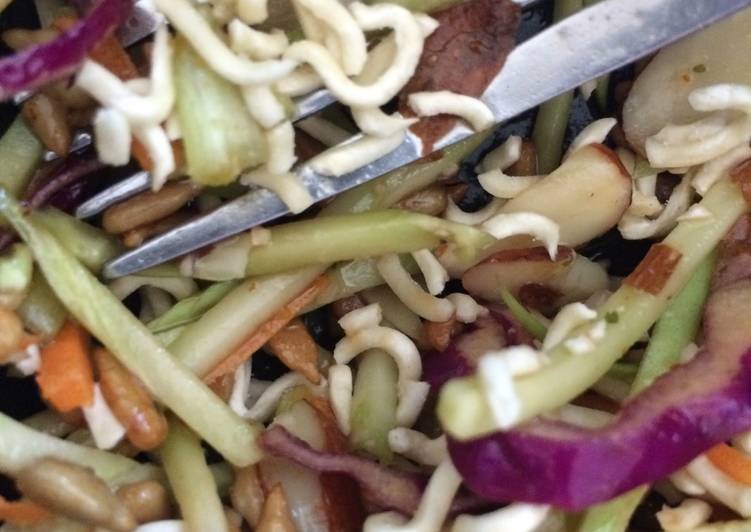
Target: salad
(543, 327)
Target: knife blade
(582, 47)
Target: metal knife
(582, 47)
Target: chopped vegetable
(66, 378)
(261, 335)
(220, 138)
(374, 401)
(16, 269)
(90, 245)
(21, 153)
(730, 461)
(129, 340)
(395, 313)
(191, 480)
(348, 236)
(462, 406)
(38, 65)
(42, 312)
(528, 320)
(191, 308)
(21, 446)
(552, 116)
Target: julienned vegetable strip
(374, 400)
(16, 270)
(191, 308)
(21, 446)
(218, 332)
(525, 317)
(462, 407)
(220, 137)
(731, 461)
(676, 328)
(65, 377)
(342, 237)
(131, 342)
(264, 333)
(191, 480)
(41, 311)
(21, 153)
(552, 116)
(672, 333)
(92, 246)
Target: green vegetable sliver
(462, 407)
(97, 309)
(374, 401)
(534, 326)
(191, 308)
(220, 137)
(552, 116)
(21, 153)
(42, 312)
(191, 480)
(21, 445)
(672, 333)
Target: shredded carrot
(144, 159)
(66, 377)
(731, 461)
(22, 512)
(262, 335)
(109, 52)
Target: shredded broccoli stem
(672, 333)
(395, 313)
(552, 116)
(528, 320)
(49, 422)
(21, 445)
(462, 407)
(92, 246)
(374, 401)
(191, 480)
(42, 312)
(16, 269)
(21, 153)
(97, 309)
(191, 308)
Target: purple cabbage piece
(63, 186)
(39, 65)
(460, 358)
(382, 487)
(684, 413)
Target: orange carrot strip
(109, 52)
(731, 461)
(22, 512)
(66, 378)
(261, 335)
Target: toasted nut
(20, 38)
(294, 346)
(145, 426)
(431, 201)
(457, 192)
(135, 237)
(276, 516)
(76, 492)
(345, 305)
(223, 385)
(527, 162)
(148, 207)
(147, 500)
(246, 494)
(438, 334)
(47, 117)
(11, 334)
